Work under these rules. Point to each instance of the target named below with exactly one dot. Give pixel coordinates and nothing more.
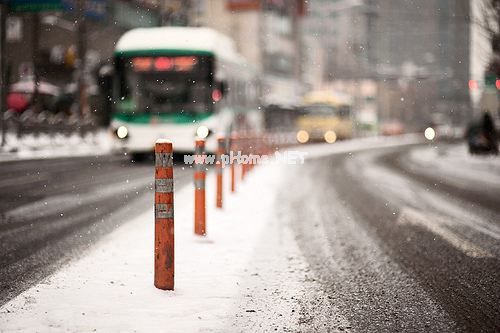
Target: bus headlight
(330, 136)
(302, 136)
(122, 132)
(202, 132)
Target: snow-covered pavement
(111, 288)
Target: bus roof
(178, 40)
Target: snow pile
(46, 146)
(111, 289)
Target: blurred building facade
(47, 42)
(106, 21)
(404, 60)
(266, 32)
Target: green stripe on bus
(172, 118)
(159, 52)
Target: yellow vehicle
(325, 117)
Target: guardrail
(45, 122)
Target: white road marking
(437, 225)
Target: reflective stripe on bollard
(199, 189)
(220, 170)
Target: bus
(180, 83)
(324, 117)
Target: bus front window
(166, 84)
(320, 110)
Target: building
(45, 45)
(414, 53)
(57, 36)
(424, 53)
(267, 33)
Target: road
(52, 210)
(396, 246)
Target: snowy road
(398, 246)
(400, 237)
(52, 209)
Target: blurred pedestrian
(490, 133)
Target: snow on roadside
(280, 291)
(45, 146)
(358, 144)
(111, 288)
(453, 160)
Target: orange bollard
(233, 150)
(164, 215)
(199, 189)
(220, 169)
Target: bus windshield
(342, 111)
(166, 84)
(320, 109)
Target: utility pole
(293, 13)
(4, 85)
(81, 46)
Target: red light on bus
(163, 64)
(216, 95)
(184, 64)
(473, 85)
(142, 64)
(497, 84)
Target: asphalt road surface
(52, 210)
(396, 246)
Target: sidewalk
(246, 274)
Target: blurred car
(392, 127)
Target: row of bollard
(164, 192)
